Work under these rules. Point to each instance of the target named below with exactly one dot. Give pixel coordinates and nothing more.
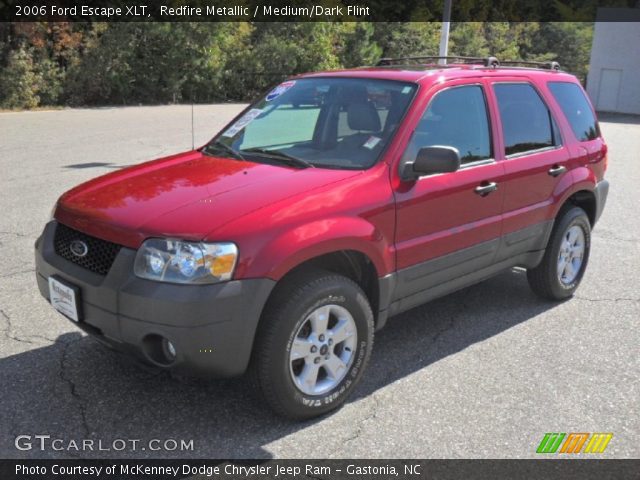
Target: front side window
(456, 117)
(320, 122)
(527, 123)
(576, 109)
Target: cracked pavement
(482, 373)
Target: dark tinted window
(576, 108)
(456, 117)
(526, 121)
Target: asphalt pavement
(482, 373)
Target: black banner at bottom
(319, 469)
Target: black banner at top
(317, 10)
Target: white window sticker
(371, 142)
(406, 90)
(242, 122)
(279, 90)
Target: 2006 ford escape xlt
(335, 201)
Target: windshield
(319, 122)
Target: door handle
(486, 188)
(557, 170)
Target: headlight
(174, 261)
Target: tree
(282, 49)
(129, 63)
(569, 43)
(408, 38)
(19, 81)
(468, 39)
(503, 40)
(50, 46)
(357, 45)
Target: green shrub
(19, 81)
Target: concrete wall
(613, 82)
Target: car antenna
(193, 142)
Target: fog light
(169, 349)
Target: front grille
(99, 256)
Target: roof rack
(547, 65)
(491, 62)
(486, 61)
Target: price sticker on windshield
(245, 120)
(371, 142)
(279, 90)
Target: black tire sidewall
(574, 217)
(345, 294)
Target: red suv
(285, 242)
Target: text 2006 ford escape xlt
(335, 201)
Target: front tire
(313, 344)
(559, 273)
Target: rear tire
(299, 374)
(559, 273)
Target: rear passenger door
(535, 161)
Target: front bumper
(211, 326)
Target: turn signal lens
(223, 265)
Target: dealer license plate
(65, 298)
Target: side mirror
(430, 160)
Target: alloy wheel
(323, 349)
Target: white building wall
(613, 82)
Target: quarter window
(576, 109)
(527, 123)
(456, 117)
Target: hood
(183, 196)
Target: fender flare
(292, 247)
(581, 180)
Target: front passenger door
(449, 224)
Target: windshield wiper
(225, 147)
(281, 156)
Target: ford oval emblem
(78, 248)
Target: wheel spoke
(309, 375)
(568, 271)
(577, 249)
(575, 265)
(572, 236)
(334, 366)
(341, 331)
(300, 348)
(320, 320)
(562, 263)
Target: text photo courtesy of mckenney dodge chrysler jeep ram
(335, 201)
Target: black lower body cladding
(211, 327)
(601, 193)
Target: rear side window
(576, 108)
(456, 117)
(527, 123)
